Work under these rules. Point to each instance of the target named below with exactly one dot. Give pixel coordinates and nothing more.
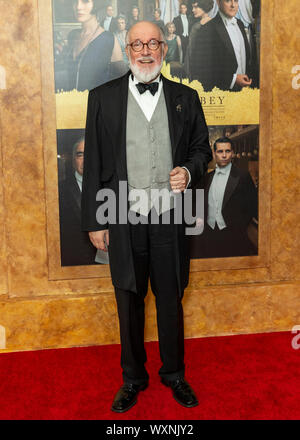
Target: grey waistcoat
(149, 156)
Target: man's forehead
(223, 146)
(227, 1)
(80, 147)
(146, 32)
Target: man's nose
(145, 50)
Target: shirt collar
(78, 176)
(226, 20)
(223, 170)
(136, 81)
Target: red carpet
(235, 377)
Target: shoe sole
(130, 406)
(192, 405)
(124, 410)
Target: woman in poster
(94, 56)
(121, 35)
(134, 17)
(174, 44)
(202, 16)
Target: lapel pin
(178, 108)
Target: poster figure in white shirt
(222, 56)
(245, 11)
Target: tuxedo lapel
(208, 180)
(115, 117)
(176, 111)
(75, 193)
(232, 182)
(247, 46)
(224, 38)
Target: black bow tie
(152, 87)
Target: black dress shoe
(126, 397)
(182, 392)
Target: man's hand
(179, 178)
(100, 239)
(243, 80)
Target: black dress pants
(154, 257)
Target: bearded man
(150, 133)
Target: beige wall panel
(91, 320)
(22, 143)
(285, 230)
(32, 324)
(3, 259)
(23, 159)
(286, 36)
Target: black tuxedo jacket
(179, 26)
(76, 247)
(213, 61)
(105, 164)
(240, 202)
(113, 27)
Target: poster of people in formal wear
(214, 48)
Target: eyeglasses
(138, 46)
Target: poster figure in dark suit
(230, 204)
(76, 247)
(221, 55)
(130, 144)
(182, 24)
(109, 22)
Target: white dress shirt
(78, 178)
(185, 25)
(148, 102)
(238, 44)
(216, 196)
(106, 23)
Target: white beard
(143, 75)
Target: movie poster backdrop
(200, 55)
